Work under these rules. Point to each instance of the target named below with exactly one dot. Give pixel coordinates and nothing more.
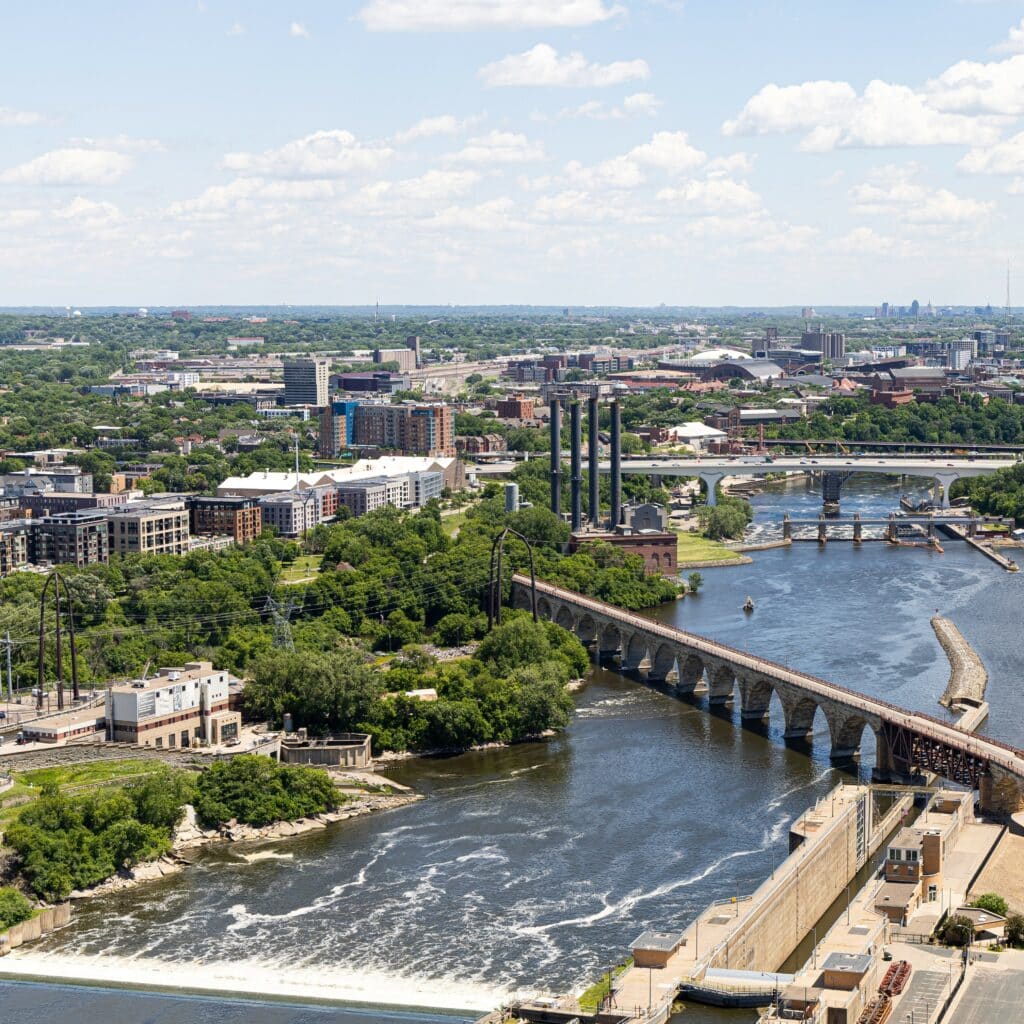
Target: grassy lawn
(453, 523)
(301, 569)
(694, 548)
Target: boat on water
(748, 605)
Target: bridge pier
(943, 482)
(663, 665)
(691, 674)
(755, 700)
(787, 527)
(1000, 792)
(634, 653)
(711, 481)
(857, 528)
(822, 529)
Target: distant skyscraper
(915, 308)
(831, 344)
(306, 381)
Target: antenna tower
(281, 612)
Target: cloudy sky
(511, 151)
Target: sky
(562, 152)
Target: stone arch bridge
(907, 743)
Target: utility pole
(10, 684)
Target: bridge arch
(691, 672)
(846, 730)
(755, 697)
(663, 663)
(544, 608)
(587, 629)
(609, 641)
(721, 683)
(565, 618)
(634, 652)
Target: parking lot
(991, 996)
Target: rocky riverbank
(968, 677)
(189, 835)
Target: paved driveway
(991, 997)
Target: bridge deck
(992, 751)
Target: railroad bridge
(907, 743)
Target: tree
(992, 902)
(694, 582)
(958, 930)
(1015, 930)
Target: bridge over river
(908, 743)
(712, 469)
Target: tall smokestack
(616, 467)
(556, 456)
(594, 509)
(576, 454)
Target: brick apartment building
(240, 518)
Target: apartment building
(364, 496)
(179, 707)
(14, 546)
(71, 538)
(292, 513)
(240, 518)
(408, 428)
(150, 528)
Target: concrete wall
(809, 881)
(28, 931)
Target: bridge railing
(949, 733)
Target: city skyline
(570, 152)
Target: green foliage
(725, 521)
(71, 842)
(1015, 930)
(694, 582)
(957, 930)
(14, 908)
(992, 902)
(257, 790)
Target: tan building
(150, 528)
(179, 707)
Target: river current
(534, 867)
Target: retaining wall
(28, 931)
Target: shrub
(1015, 930)
(257, 791)
(958, 930)
(14, 908)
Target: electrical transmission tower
(281, 612)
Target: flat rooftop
(664, 942)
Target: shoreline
(253, 980)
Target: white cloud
(298, 31)
(237, 29)
(427, 127)
(70, 167)
(1006, 157)
(639, 104)
(893, 193)
(793, 108)
(218, 200)
(734, 163)
(498, 147)
(120, 142)
(668, 151)
(323, 154)
(460, 15)
(431, 186)
(1014, 42)
(712, 196)
(11, 118)
(971, 87)
(835, 117)
(494, 215)
(862, 242)
(88, 213)
(542, 66)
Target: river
(533, 867)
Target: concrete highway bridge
(907, 743)
(835, 470)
